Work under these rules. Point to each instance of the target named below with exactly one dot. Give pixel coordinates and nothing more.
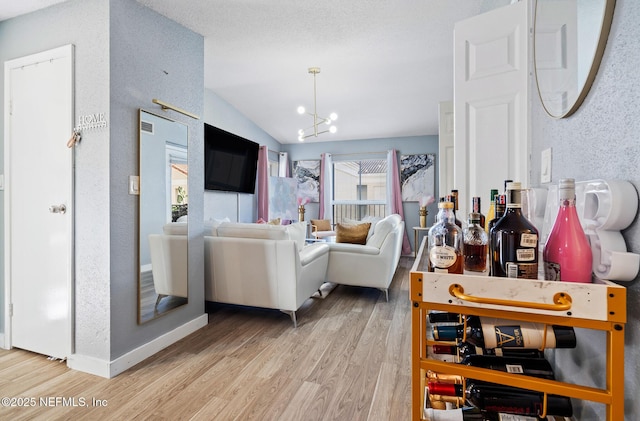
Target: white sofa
(370, 265)
(263, 265)
(169, 260)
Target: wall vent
(146, 126)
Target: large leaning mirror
(163, 225)
(569, 41)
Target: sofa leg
(291, 314)
(386, 293)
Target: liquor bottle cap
(565, 336)
(444, 349)
(445, 205)
(445, 333)
(567, 183)
(445, 389)
(514, 185)
(494, 192)
(474, 218)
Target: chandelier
(315, 130)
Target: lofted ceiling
(385, 64)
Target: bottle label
(514, 368)
(442, 257)
(528, 240)
(512, 417)
(522, 270)
(517, 335)
(526, 255)
(551, 271)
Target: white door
(445, 148)
(39, 201)
(491, 102)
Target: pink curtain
(322, 175)
(396, 195)
(263, 183)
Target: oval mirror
(163, 211)
(569, 41)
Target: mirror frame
(605, 28)
(181, 301)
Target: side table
(416, 230)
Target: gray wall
(150, 57)
(122, 51)
(600, 141)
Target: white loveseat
(263, 265)
(371, 265)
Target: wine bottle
(444, 317)
(491, 212)
(501, 398)
(499, 333)
(536, 367)
(475, 245)
(465, 348)
(514, 241)
(453, 198)
(471, 414)
(567, 253)
(477, 208)
(445, 243)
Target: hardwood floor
(349, 359)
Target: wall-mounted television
(230, 161)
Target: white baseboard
(111, 369)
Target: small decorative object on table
(302, 200)
(424, 202)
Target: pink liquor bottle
(567, 253)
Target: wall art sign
(417, 176)
(92, 121)
(307, 175)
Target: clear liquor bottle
(475, 245)
(567, 254)
(445, 243)
(514, 241)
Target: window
(359, 189)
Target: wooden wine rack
(598, 306)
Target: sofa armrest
(312, 252)
(354, 248)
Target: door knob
(57, 208)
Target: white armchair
(169, 261)
(370, 265)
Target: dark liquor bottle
(465, 348)
(477, 208)
(499, 333)
(472, 414)
(445, 243)
(500, 398)
(444, 317)
(500, 209)
(514, 241)
(475, 245)
(453, 198)
(536, 367)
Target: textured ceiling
(385, 64)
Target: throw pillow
(274, 221)
(355, 234)
(321, 224)
(298, 232)
(373, 219)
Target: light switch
(545, 166)
(134, 184)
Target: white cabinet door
(445, 148)
(491, 102)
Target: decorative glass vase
(301, 213)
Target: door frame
(66, 51)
